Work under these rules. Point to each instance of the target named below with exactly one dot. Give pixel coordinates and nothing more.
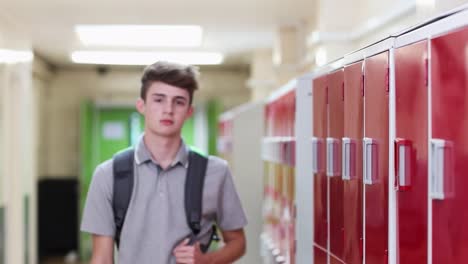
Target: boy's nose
(168, 107)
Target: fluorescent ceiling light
(145, 58)
(15, 56)
(140, 35)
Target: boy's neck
(163, 149)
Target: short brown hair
(179, 75)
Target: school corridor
(344, 123)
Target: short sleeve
(98, 215)
(231, 215)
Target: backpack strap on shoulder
(123, 187)
(194, 182)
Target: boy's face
(165, 109)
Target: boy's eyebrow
(163, 95)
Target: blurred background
(69, 78)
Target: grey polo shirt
(155, 221)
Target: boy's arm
(234, 248)
(98, 215)
(103, 250)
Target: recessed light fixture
(140, 35)
(145, 58)
(15, 56)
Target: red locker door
(411, 152)
(375, 155)
(320, 178)
(449, 147)
(352, 163)
(335, 133)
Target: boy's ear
(140, 106)
(190, 112)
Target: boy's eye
(180, 102)
(158, 100)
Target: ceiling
(232, 27)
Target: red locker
(320, 256)
(268, 120)
(375, 155)
(335, 133)
(320, 178)
(292, 112)
(281, 120)
(334, 260)
(352, 163)
(449, 147)
(411, 152)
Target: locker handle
(317, 145)
(441, 182)
(403, 164)
(370, 161)
(332, 157)
(348, 159)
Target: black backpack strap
(194, 182)
(123, 187)
(213, 237)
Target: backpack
(123, 163)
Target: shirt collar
(142, 154)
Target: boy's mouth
(166, 122)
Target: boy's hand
(189, 254)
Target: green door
(104, 131)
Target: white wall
(18, 142)
(41, 83)
(445, 5)
(247, 169)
